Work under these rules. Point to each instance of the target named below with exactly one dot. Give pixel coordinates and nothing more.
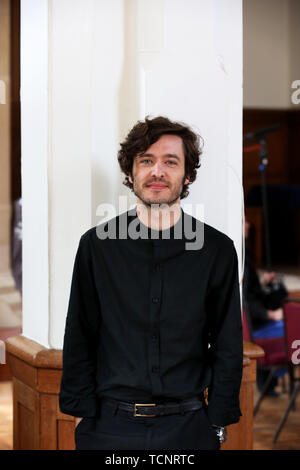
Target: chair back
(247, 336)
(274, 348)
(291, 308)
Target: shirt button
(154, 337)
(155, 369)
(158, 267)
(155, 300)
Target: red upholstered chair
(247, 336)
(275, 354)
(291, 310)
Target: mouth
(157, 186)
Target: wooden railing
(39, 424)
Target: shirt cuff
(79, 407)
(223, 418)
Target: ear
(187, 179)
(130, 179)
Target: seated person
(265, 323)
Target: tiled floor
(267, 420)
(10, 302)
(6, 416)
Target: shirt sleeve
(225, 338)
(78, 385)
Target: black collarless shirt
(152, 318)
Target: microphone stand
(263, 155)
(275, 291)
(259, 135)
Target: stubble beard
(157, 201)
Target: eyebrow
(168, 155)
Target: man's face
(158, 174)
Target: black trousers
(115, 429)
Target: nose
(157, 170)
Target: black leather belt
(153, 409)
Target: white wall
(294, 52)
(183, 60)
(102, 65)
(271, 52)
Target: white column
(34, 162)
(90, 69)
(56, 71)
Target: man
(154, 316)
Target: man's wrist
(221, 432)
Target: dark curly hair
(146, 133)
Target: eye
(172, 162)
(145, 160)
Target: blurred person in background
(265, 323)
(16, 245)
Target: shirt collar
(175, 232)
(186, 234)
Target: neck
(159, 217)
